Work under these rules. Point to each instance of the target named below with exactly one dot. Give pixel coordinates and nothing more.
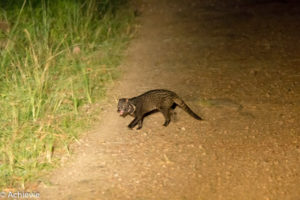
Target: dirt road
(236, 63)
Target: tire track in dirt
(228, 61)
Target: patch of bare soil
(236, 63)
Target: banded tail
(185, 107)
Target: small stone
(76, 50)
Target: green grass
(55, 63)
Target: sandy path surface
(236, 64)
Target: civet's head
(125, 107)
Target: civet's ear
(122, 100)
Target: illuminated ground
(237, 64)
